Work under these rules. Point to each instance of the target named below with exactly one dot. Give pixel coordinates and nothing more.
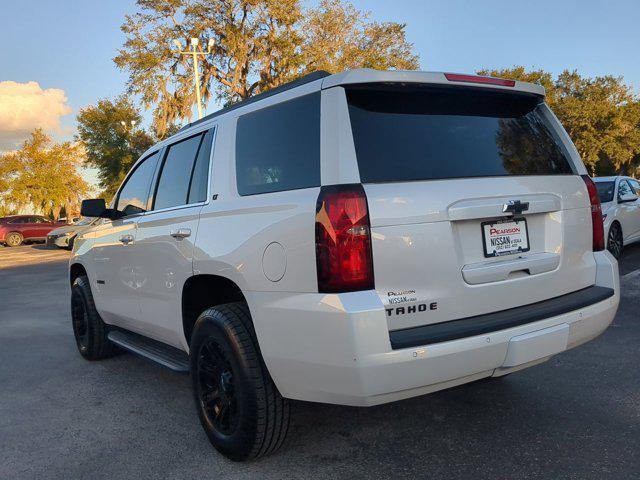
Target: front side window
(278, 147)
(173, 187)
(418, 133)
(134, 194)
(624, 189)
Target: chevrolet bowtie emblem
(515, 207)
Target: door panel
(117, 291)
(32, 229)
(162, 265)
(115, 287)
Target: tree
(43, 174)
(601, 115)
(258, 45)
(338, 37)
(111, 134)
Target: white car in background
(63, 237)
(620, 211)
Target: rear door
(36, 227)
(165, 237)
(474, 202)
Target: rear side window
(200, 178)
(635, 185)
(173, 186)
(606, 191)
(278, 147)
(134, 194)
(430, 133)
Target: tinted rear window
(427, 133)
(605, 191)
(278, 147)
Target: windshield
(605, 191)
(428, 133)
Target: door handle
(181, 233)
(126, 239)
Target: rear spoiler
(367, 75)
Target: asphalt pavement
(61, 417)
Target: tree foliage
(111, 134)
(258, 45)
(601, 115)
(43, 175)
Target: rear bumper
(337, 348)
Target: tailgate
(474, 201)
(434, 258)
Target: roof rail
(310, 77)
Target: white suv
(620, 211)
(356, 239)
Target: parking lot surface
(576, 416)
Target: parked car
(355, 239)
(620, 211)
(16, 229)
(64, 237)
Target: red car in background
(16, 229)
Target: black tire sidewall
(213, 325)
(98, 345)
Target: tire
(13, 239)
(615, 244)
(89, 330)
(239, 406)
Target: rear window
(278, 147)
(429, 133)
(605, 191)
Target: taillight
(343, 240)
(457, 77)
(596, 214)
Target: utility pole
(195, 52)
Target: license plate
(505, 237)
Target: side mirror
(98, 208)
(629, 197)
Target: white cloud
(25, 106)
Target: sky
(56, 55)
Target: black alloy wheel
(80, 319)
(614, 240)
(216, 388)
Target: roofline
(352, 77)
(310, 77)
(367, 75)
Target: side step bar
(157, 352)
